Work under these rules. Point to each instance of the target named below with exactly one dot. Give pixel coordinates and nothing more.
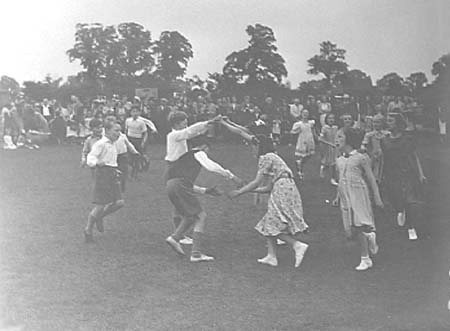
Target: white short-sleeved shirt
(135, 127)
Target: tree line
(118, 59)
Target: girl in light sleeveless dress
(328, 149)
(353, 190)
(305, 147)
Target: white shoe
(280, 242)
(300, 249)
(269, 260)
(175, 245)
(412, 234)
(365, 264)
(334, 182)
(186, 241)
(373, 246)
(401, 219)
(201, 258)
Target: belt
(284, 174)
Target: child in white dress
(305, 147)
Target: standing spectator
(295, 110)
(58, 128)
(47, 110)
(396, 103)
(324, 108)
(312, 107)
(443, 115)
(268, 108)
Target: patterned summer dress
(305, 141)
(284, 208)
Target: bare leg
(363, 244)
(298, 247)
(112, 207)
(199, 229)
(366, 262)
(271, 247)
(93, 217)
(271, 257)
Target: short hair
(400, 120)
(354, 137)
(327, 116)
(176, 117)
(108, 125)
(95, 123)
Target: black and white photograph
(225, 165)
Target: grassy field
(130, 280)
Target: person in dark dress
(403, 176)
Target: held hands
(216, 119)
(213, 191)
(379, 203)
(423, 179)
(238, 181)
(233, 194)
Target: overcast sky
(380, 36)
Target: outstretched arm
(212, 166)
(422, 177)
(250, 187)
(237, 129)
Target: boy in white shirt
(177, 146)
(136, 130)
(107, 194)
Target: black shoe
(88, 237)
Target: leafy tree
(356, 82)
(47, 88)
(93, 45)
(441, 84)
(330, 62)
(173, 52)
(391, 84)
(133, 50)
(441, 69)
(259, 62)
(314, 87)
(415, 82)
(10, 84)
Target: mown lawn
(130, 280)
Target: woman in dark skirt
(403, 176)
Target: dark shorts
(182, 196)
(107, 186)
(137, 143)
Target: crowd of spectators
(49, 119)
